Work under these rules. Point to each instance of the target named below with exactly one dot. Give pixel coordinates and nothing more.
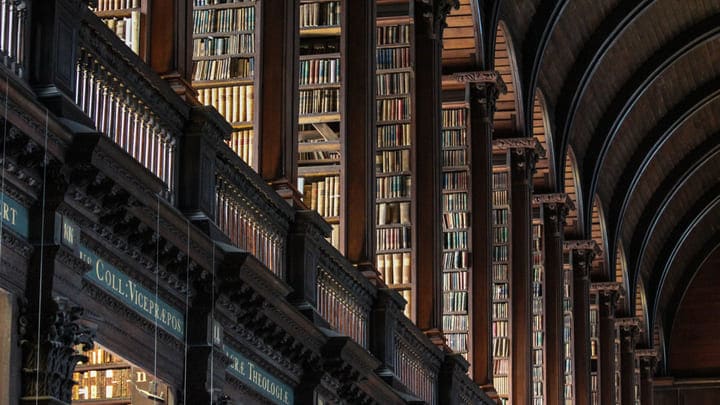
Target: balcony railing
(145, 118)
(12, 34)
(250, 213)
(344, 296)
(416, 361)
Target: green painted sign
(258, 379)
(119, 284)
(14, 215)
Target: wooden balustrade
(12, 34)
(344, 296)
(127, 101)
(416, 361)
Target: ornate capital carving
(434, 13)
(629, 332)
(584, 251)
(526, 152)
(648, 359)
(48, 364)
(488, 79)
(557, 205)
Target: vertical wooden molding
(277, 72)
(556, 208)
(484, 90)
(427, 187)
(629, 333)
(609, 294)
(169, 43)
(583, 253)
(357, 240)
(648, 365)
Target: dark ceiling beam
(534, 45)
(677, 238)
(634, 88)
(652, 144)
(671, 186)
(681, 288)
(587, 62)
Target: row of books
(537, 359)
(407, 296)
(501, 366)
(457, 342)
(395, 268)
(127, 28)
(393, 238)
(241, 142)
(455, 301)
(393, 58)
(224, 20)
(500, 180)
(223, 69)
(393, 186)
(320, 14)
(102, 384)
(235, 103)
(455, 202)
(455, 240)
(393, 213)
(457, 157)
(393, 83)
(109, 5)
(393, 34)
(334, 238)
(500, 197)
(459, 259)
(393, 109)
(501, 291)
(455, 322)
(500, 310)
(454, 117)
(319, 101)
(200, 3)
(500, 328)
(537, 304)
(454, 138)
(224, 45)
(388, 161)
(455, 180)
(319, 46)
(394, 135)
(456, 219)
(501, 234)
(99, 355)
(322, 194)
(502, 385)
(500, 216)
(456, 280)
(500, 253)
(538, 338)
(319, 71)
(500, 271)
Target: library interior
(442, 202)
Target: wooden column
(556, 208)
(358, 198)
(583, 252)
(609, 294)
(429, 23)
(277, 72)
(629, 331)
(523, 156)
(169, 43)
(648, 364)
(484, 88)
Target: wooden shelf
(326, 31)
(317, 118)
(225, 5)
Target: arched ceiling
(632, 88)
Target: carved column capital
(584, 251)
(648, 359)
(525, 151)
(609, 294)
(629, 332)
(434, 13)
(557, 206)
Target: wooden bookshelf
(126, 18)
(224, 48)
(538, 392)
(568, 331)
(594, 349)
(395, 204)
(108, 379)
(320, 92)
(501, 268)
(456, 255)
